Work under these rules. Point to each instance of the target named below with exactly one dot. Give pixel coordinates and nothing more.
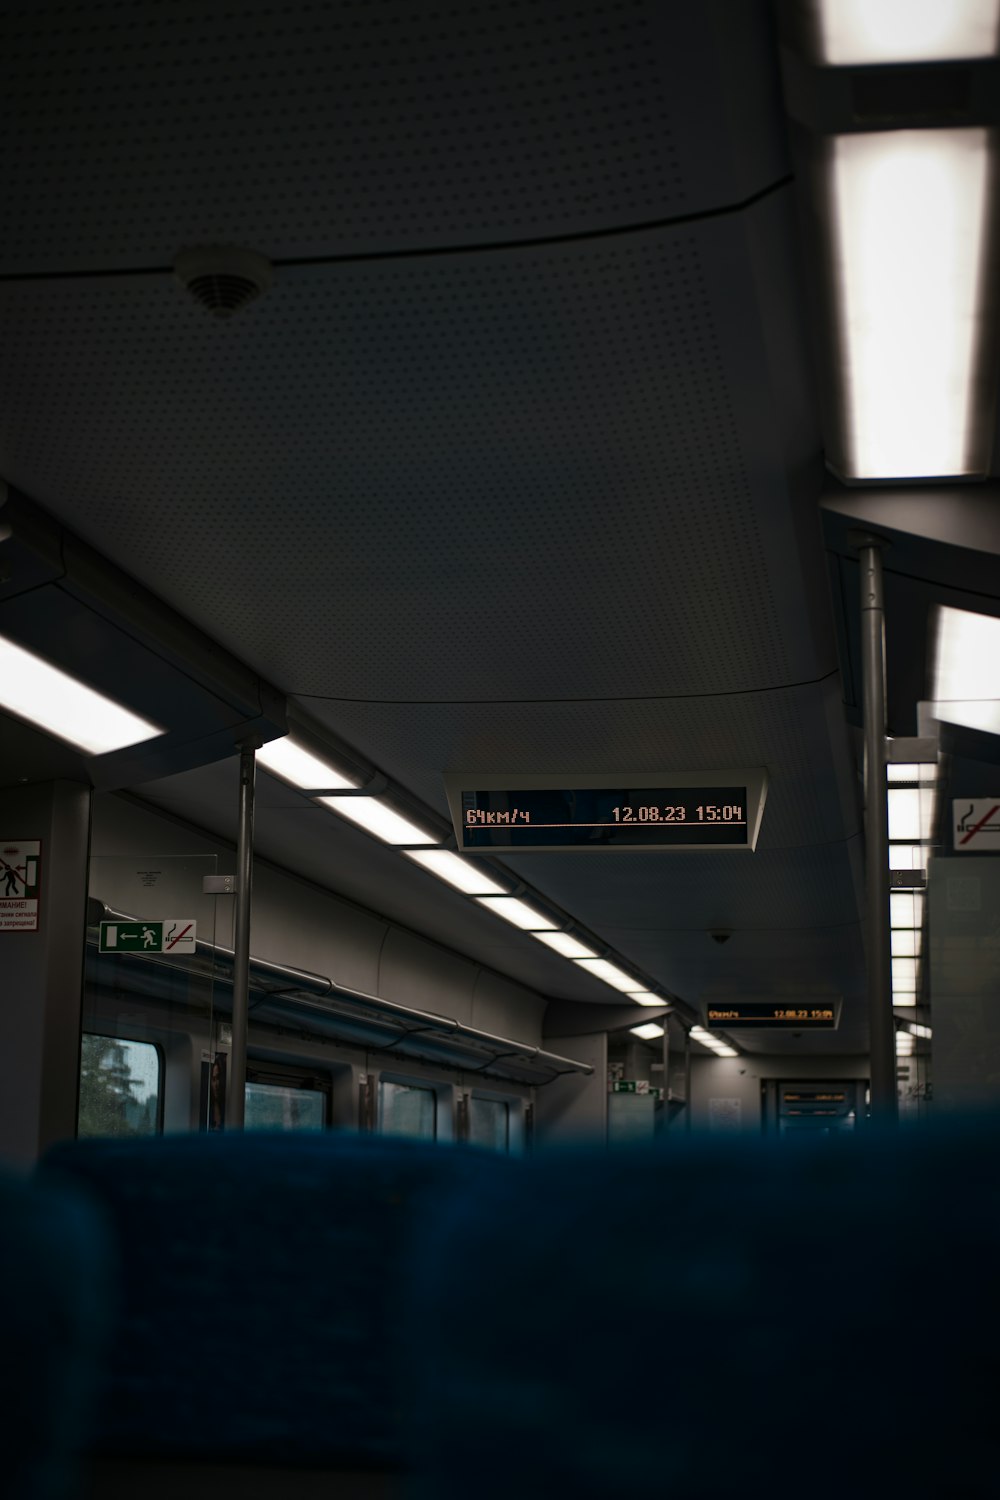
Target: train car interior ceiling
(499, 691)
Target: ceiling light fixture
(377, 818)
(293, 763)
(518, 912)
(646, 997)
(465, 877)
(967, 669)
(897, 31)
(609, 973)
(563, 943)
(50, 698)
(649, 1032)
(907, 215)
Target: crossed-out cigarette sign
(172, 935)
(976, 824)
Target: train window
(489, 1123)
(120, 1086)
(271, 1106)
(406, 1109)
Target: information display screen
(660, 817)
(810, 1015)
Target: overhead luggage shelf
(315, 1005)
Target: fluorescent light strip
(50, 698)
(564, 944)
(904, 998)
(908, 219)
(906, 942)
(649, 1032)
(378, 819)
(299, 766)
(464, 876)
(517, 912)
(900, 31)
(904, 813)
(646, 997)
(609, 973)
(906, 908)
(967, 669)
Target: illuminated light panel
(967, 669)
(904, 997)
(295, 764)
(898, 31)
(646, 997)
(569, 947)
(906, 943)
(904, 973)
(609, 974)
(46, 696)
(457, 872)
(518, 912)
(649, 1032)
(904, 1043)
(908, 220)
(925, 771)
(922, 1031)
(906, 857)
(906, 908)
(723, 1051)
(378, 819)
(904, 813)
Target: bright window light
(908, 219)
(645, 997)
(904, 997)
(921, 1031)
(569, 947)
(906, 944)
(904, 1043)
(906, 857)
(967, 669)
(518, 912)
(609, 974)
(904, 813)
(43, 694)
(649, 1032)
(896, 31)
(902, 771)
(457, 872)
(375, 817)
(906, 908)
(294, 763)
(904, 973)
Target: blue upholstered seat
(715, 1320)
(54, 1289)
(262, 1283)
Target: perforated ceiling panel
(302, 129)
(528, 474)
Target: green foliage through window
(119, 1087)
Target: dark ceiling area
(516, 466)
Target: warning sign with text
(20, 863)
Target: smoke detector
(223, 278)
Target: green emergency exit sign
(172, 935)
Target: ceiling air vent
(223, 278)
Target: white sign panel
(977, 824)
(20, 865)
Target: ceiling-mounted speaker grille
(223, 278)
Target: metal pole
(235, 1097)
(880, 1021)
(687, 1080)
(665, 1096)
